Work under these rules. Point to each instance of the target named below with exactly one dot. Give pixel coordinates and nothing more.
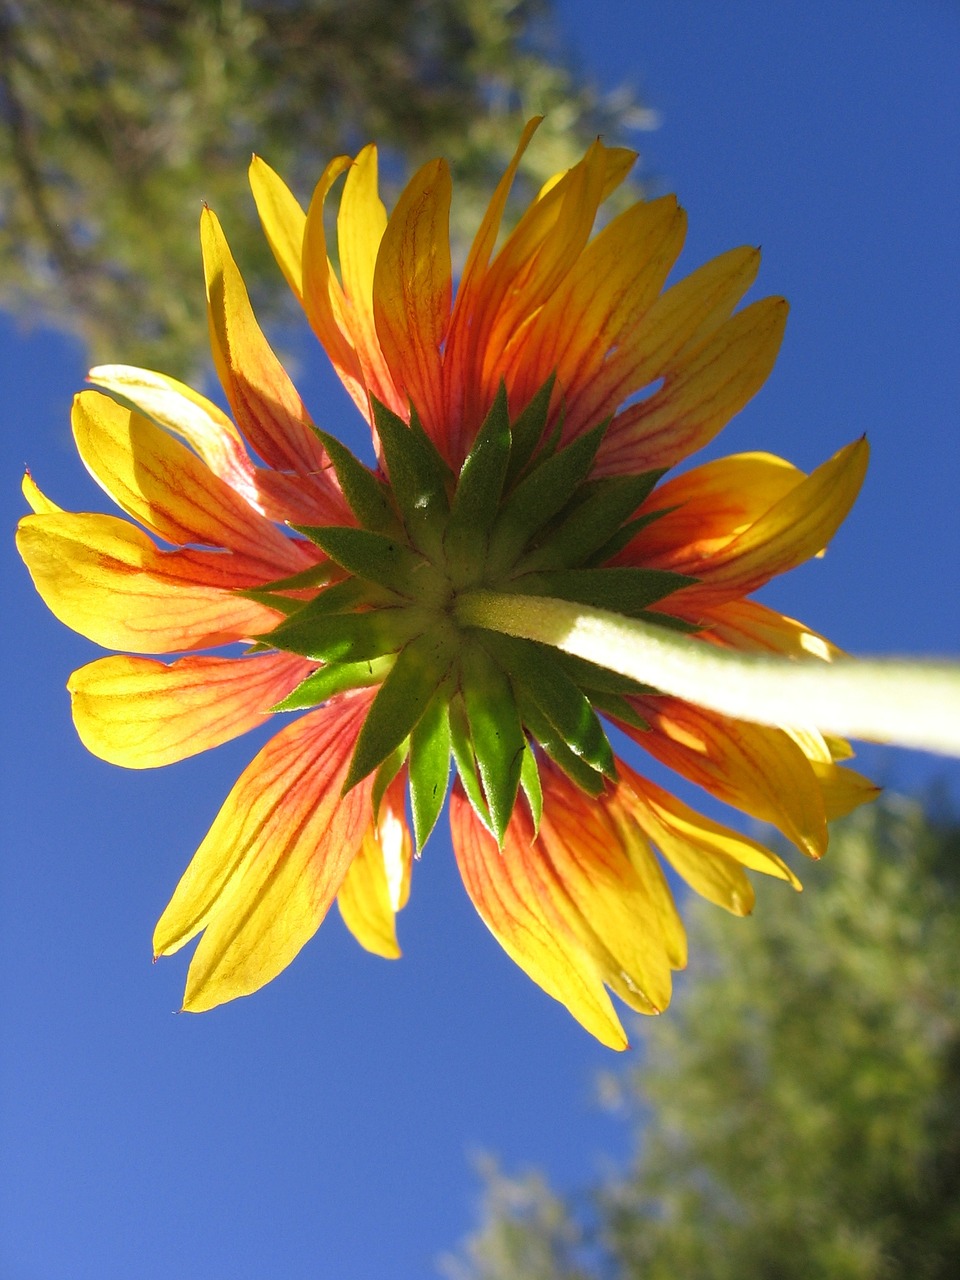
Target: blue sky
(325, 1127)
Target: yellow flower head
(522, 426)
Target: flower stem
(912, 703)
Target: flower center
(523, 517)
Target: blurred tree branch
(118, 117)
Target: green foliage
(797, 1111)
(118, 117)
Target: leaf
(574, 766)
(530, 782)
(535, 671)
(376, 557)
(349, 637)
(461, 745)
(626, 591)
(477, 496)
(547, 489)
(430, 765)
(404, 696)
(366, 494)
(527, 432)
(496, 731)
(331, 679)
(419, 478)
(596, 512)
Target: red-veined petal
(272, 863)
(141, 714)
(104, 578)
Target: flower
(522, 427)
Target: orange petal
(104, 578)
(168, 489)
(715, 379)
(265, 403)
(142, 714)
(271, 864)
(581, 331)
(412, 290)
(745, 624)
(529, 922)
(758, 770)
(378, 883)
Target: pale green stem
(899, 701)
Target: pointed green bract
(533, 669)
(349, 637)
(625, 535)
(574, 766)
(430, 765)
(478, 492)
(543, 492)
(419, 478)
(530, 782)
(528, 431)
(367, 495)
(496, 731)
(335, 677)
(404, 696)
(315, 576)
(461, 744)
(385, 774)
(594, 514)
(626, 591)
(376, 557)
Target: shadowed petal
(271, 864)
(142, 714)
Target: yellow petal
(282, 218)
(756, 769)
(104, 578)
(793, 529)
(142, 714)
(39, 503)
(158, 481)
(271, 864)
(527, 923)
(378, 882)
(714, 380)
(264, 401)
(412, 290)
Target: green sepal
(420, 480)
(496, 731)
(574, 766)
(535, 671)
(315, 576)
(421, 667)
(594, 514)
(532, 789)
(479, 488)
(334, 678)
(375, 557)
(592, 678)
(430, 765)
(461, 744)
(527, 431)
(349, 637)
(625, 534)
(283, 604)
(615, 705)
(385, 775)
(623, 591)
(543, 492)
(366, 494)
